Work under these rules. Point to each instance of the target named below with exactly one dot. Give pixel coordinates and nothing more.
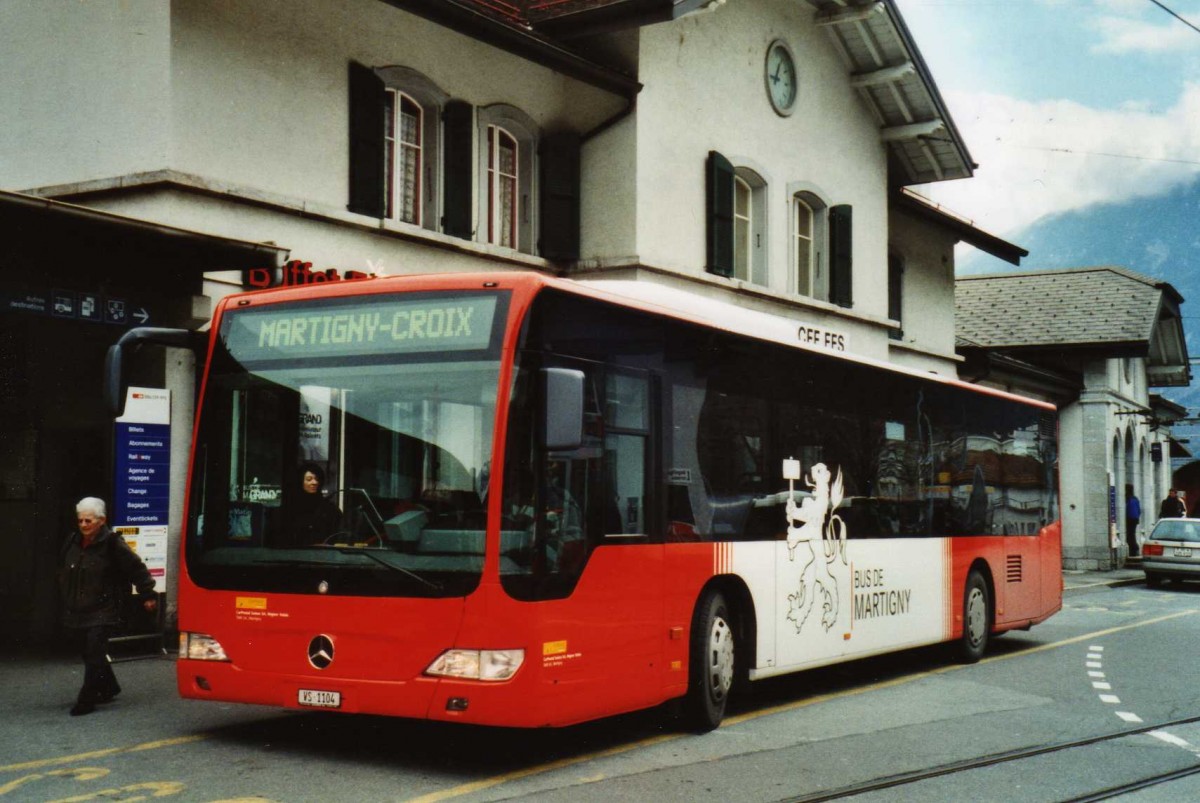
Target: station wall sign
(295, 273)
(75, 305)
(150, 544)
(142, 485)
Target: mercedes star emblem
(320, 652)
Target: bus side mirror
(562, 409)
(114, 360)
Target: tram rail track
(1020, 754)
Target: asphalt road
(1092, 687)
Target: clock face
(781, 77)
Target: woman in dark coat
(313, 517)
(96, 571)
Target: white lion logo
(816, 581)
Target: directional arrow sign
(141, 315)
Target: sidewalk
(1077, 581)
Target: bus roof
(716, 314)
(645, 296)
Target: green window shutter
(719, 215)
(840, 255)
(896, 294)
(366, 141)
(458, 138)
(558, 196)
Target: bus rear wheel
(711, 664)
(977, 619)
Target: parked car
(1172, 551)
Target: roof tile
(1098, 305)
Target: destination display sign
(385, 326)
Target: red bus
(516, 500)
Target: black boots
(82, 707)
(88, 699)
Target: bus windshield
(345, 447)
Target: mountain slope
(1158, 237)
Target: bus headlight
(477, 664)
(200, 647)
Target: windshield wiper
(351, 550)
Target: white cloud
(1126, 35)
(1124, 6)
(1041, 158)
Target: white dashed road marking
(1094, 663)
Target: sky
(1063, 104)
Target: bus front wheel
(710, 671)
(977, 619)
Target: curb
(1128, 581)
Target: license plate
(1182, 552)
(320, 699)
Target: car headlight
(200, 647)
(477, 664)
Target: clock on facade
(781, 77)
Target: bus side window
(627, 430)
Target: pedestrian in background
(1172, 507)
(96, 571)
(1133, 515)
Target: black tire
(711, 664)
(1153, 580)
(977, 619)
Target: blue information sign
(142, 488)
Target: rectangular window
(804, 248)
(627, 416)
(502, 188)
(743, 226)
(403, 121)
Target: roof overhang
(1167, 410)
(962, 227)
(1167, 363)
(39, 228)
(984, 365)
(505, 26)
(892, 78)
(578, 18)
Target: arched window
(507, 192)
(736, 219)
(502, 189)
(395, 159)
(809, 243)
(403, 156)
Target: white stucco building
(754, 152)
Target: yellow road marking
(528, 772)
(111, 751)
(562, 763)
(156, 788)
